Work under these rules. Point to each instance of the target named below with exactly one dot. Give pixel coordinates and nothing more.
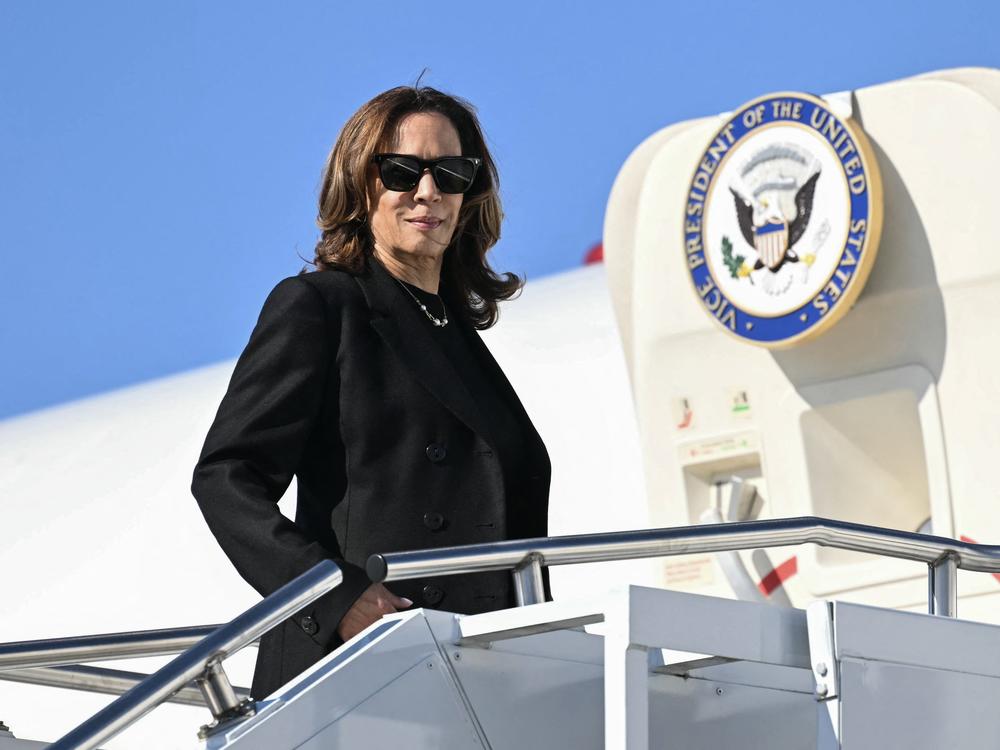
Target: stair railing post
(529, 587)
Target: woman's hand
(368, 608)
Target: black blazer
(343, 386)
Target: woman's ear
(373, 187)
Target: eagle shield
(775, 238)
(771, 242)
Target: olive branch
(733, 264)
(737, 269)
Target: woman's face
(418, 223)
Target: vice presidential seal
(782, 219)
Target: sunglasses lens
(399, 173)
(455, 175)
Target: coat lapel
(405, 331)
(536, 448)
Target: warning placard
(689, 572)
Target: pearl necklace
(442, 321)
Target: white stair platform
(669, 670)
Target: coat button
(432, 594)
(434, 521)
(436, 452)
(309, 625)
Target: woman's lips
(426, 223)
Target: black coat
(343, 386)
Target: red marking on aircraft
(779, 575)
(594, 255)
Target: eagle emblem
(792, 257)
(766, 229)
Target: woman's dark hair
(344, 197)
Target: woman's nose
(427, 189)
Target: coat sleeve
(254, 446)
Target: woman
(367, 381)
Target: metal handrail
(526, 556)
(55, 662)
(202, 661)
(102, 680)
(57, 652)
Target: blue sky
(160, 161)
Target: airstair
(632, 668)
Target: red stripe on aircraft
(594, 255)
(779, 575)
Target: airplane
(668, 396)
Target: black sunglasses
(452, 174)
